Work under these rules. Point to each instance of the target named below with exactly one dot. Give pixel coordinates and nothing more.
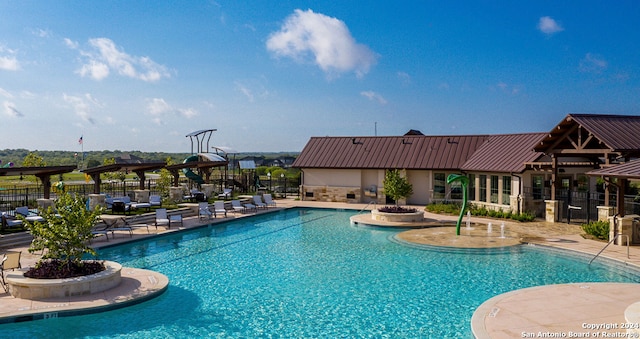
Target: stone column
(175, 194)
(604, 212)
(141, 195)
(97, 200)
(207, 189)
(43, 204)
(552, 208)
(624, 228)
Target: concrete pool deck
(563, 309)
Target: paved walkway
(554, 310)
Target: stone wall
(331, 194)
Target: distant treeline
(96, 158)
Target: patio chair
(268, 200)
(100, 229)
(258, 202)
(204, 211)
(161, 218)
(155, 200)
(226, 194)
(133, 223)
(28, 215)
(9, 221)
(112, 226)
(10, 261)
(176, 219)
(237, 207)
(218, 208)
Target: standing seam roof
(407, 152)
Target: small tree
(66, 231)
(396, 186)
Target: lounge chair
(112, 226)
(161, 218)
(176, 219)
(9, 221)
(258, 202)
(204, 211)
(155, 200)
(100, 229)
(268, 200)
(133, 223)
(28, 215)
(10, 261)
(218, 208)
(237, 207)
(226, 194)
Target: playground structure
(200, 155)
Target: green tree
(396, 186)
(164, 181)
(66, 230)
(33, 160)
(118, 175)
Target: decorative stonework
(332, 194)
(34, 289)
(416, 216)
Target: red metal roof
(404, 152)
(618, 133)
(629, 170)
(505, 153)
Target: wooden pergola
(588, 141)
(43, 173)
(138, 168)
(202, 166)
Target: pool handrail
(365, 207)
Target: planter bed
(34, 289)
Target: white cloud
(8, 61)
(593, 63)
(159, 109)
(157, 106)
(404, 77)
(325, 40)
(11, 110)
(371, 95)
(5, 93)
(244, 90)
(105, 56)
(188, 112)
(82, 106)
(549, 26)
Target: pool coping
(136, 286)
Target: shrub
(65, 231)
(598, 229)
(441, 208)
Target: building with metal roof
(518, 172)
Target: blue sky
(268, 75)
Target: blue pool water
(308, 273)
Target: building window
(439, 186)
(472, 187)
(537, 186)
(506, 190)
(494, 189)
(483, 187)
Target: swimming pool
(309, 273)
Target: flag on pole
(80, 140)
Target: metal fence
(12, 196)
